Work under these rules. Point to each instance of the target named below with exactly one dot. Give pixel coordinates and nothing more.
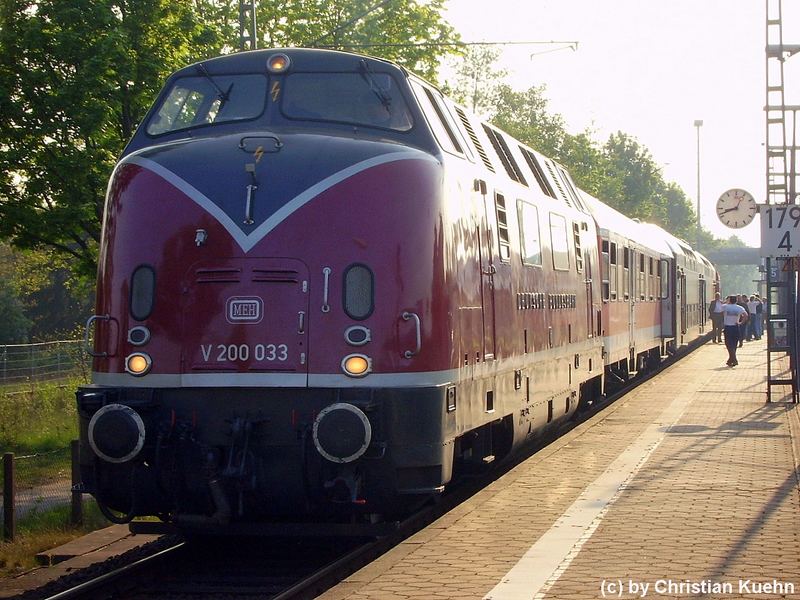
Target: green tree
(75, 79)
(14, 326)
(53, 301)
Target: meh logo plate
(244, 309)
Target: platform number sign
(780, 230)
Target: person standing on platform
(741, 300)
(752, 306)
(715, 312)
(759, 317)
(734, 315)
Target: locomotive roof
(302, 59)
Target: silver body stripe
(275, 380)
(247, 241)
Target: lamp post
(698, 124)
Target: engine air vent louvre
(217, 275)
(560, 188)
(475, 141)
(530, 158)
(503, 151)
(275, 276)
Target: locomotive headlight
(138, 364)
(356, 365)
(278, 63)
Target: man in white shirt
(733, 316)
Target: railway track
(276, 568)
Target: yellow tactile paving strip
(716, 503)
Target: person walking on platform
(734, 315)
(715, 313)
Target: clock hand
(732, 208)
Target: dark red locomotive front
(265, 340)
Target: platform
(686, 487)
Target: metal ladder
(781, 174)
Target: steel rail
(95, 583)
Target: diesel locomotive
(325, 289)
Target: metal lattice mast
(781, 188)
(248, 38)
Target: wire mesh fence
(35, 483)
(27, 363)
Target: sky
(651, 68)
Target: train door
(589, 294)
(667, 298)
(488, 270)
(683, 300)
(631, 275)
(703, 306)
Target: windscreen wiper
(223, 96)
(369, 77)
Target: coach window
(626, 280)
(651, 280)
(605, 258)
(530, 243)
(612, 272)
(663, 271)
(642, 278)
(558, 242)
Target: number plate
(780, 230)
(228, 353)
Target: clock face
(736, 208)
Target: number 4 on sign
(786, 242)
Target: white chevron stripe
(247, 241)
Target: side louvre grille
(475, 141)
(530, 158)
(503, 151)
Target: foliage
(75, 78)
(53, 301)
(405, 31)
(14, 326)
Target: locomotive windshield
(206, 99)
(365, 98)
